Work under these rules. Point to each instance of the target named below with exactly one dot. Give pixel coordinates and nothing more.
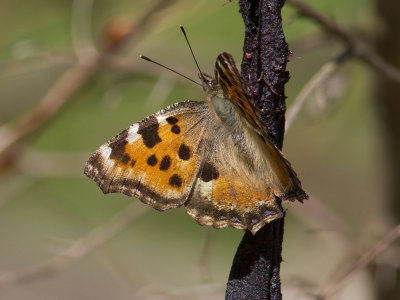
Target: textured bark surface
(388, 104)
(255, 272)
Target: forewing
(155, 160)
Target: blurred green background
(46, 203)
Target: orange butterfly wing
(155, 160)
(176, 157)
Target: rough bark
(255, 272)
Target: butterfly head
(209, 83)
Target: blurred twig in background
(204, 264)
(37, 62)
(78, 250)
(386, 62)
(358, 47)
(89, 63)
(361, 263)
(81, 20)
(323, 73)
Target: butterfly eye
(213, 83)
(208, 80)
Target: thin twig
(318, 217)
(361, 263)
(81, 30)
(52, 102)
(77, 251)
(359, 48)
(38, 164)
(36, 62)
(204, 259)
(323, 73)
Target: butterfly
(213, 157)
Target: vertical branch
(256, 266)
(265, 57)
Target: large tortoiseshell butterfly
(212, 157)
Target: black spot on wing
(133, 162)
(172, 120)
(117, 145)
(184, 152)
(208, 172)
(165, 163)
(152, 160)
(148, 129)
(175, 180)
(125, 159)
(176, 129)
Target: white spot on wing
(171, 194)
(132, 133)
(205, 189)
(161, 119)
(105, 151)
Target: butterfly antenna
(191, 50)
(165, 67)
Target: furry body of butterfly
(213, 157)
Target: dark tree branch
(256, 266)
(266, 53)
